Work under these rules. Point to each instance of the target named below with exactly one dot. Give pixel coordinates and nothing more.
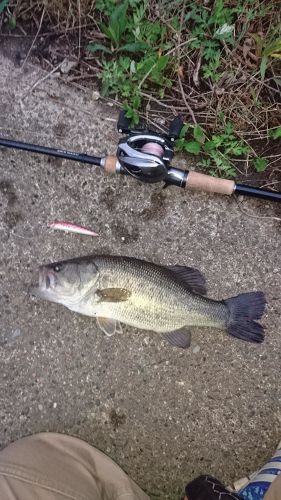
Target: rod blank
(257, 192)
(57, 153)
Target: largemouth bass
(164, 299)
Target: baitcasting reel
(145, 154)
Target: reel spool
(144, 154)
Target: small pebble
(95, 95)
(55, 405)
(196, 349)
(40, 407)
(67, 65)
(12, 336)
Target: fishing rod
(146, 155)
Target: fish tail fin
(243, 311)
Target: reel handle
(209, 184)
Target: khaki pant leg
(51, 466)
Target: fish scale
(159, 302)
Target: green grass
(146, 53)
(135, 54)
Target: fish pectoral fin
(191, 277)
(108, 326)
(113, 294)
(179, 338)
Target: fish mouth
(46, 284)
(47, 280)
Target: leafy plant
(12, 22)
(276, 133)
(217, 151)
(108, 6)
(266, 51)
(117, 31)
(129, 31)
(124, 75)
(272, 50)
(3, 4)
(260, 164)
(208, 31)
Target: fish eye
(57, 268)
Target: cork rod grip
(110, 164)
(202, 182)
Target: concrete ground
(163, 414)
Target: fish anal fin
(178, 338)
(108, 326)
(190, 277)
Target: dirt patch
(8, 190)
(11, 215)
(11, 218)
(116, 419)
(127, 234)
(156, 207)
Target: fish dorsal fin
(178, 338)
(191, 277)
(113, 294)
(109, 326)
